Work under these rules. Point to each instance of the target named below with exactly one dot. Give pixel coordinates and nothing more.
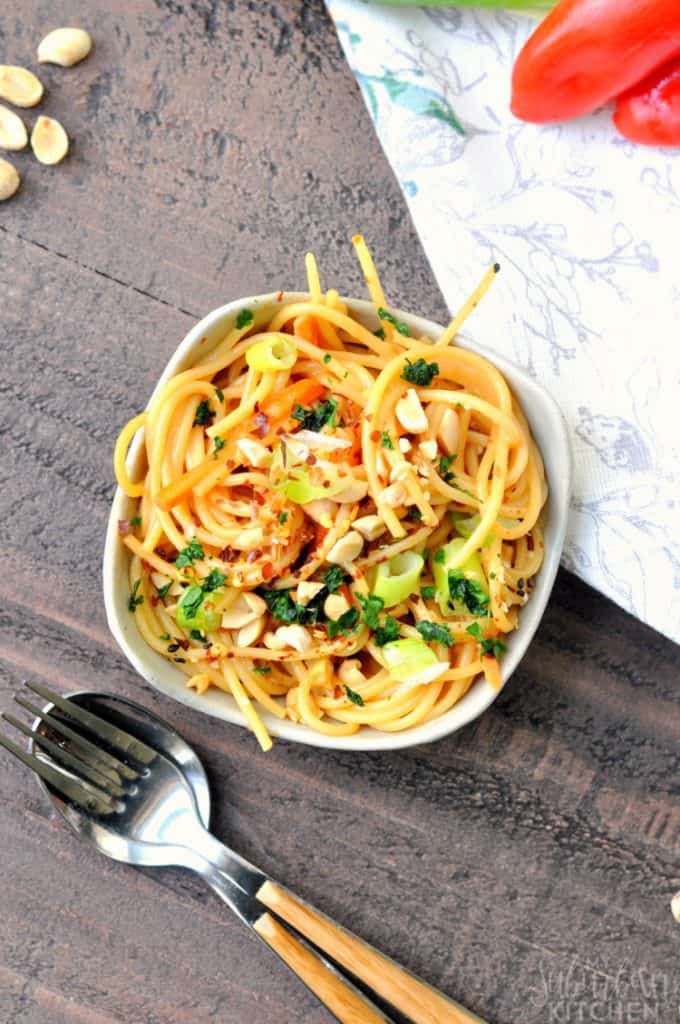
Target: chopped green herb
(317, 416)
(414, 513)
(191, 601)
(187, 555)
(333, 578)
(428, 592)
(440, 555)
(386, 440)
(163, 591)
(283, 516)
(213, 580)
(219, 445)
(435, 632)
(165, 636)
(345, 624)
(136, 521)
(262, 670)
(420, 373)
(282, 607)
(135, 599)
(355, 697)
(490, 645)
(327, 358)
(492, 575)
(204, 414)
(445, 463)
(196, 634)
(244, 319)
(398, 325)
(219, 394)
(388, 632)
(371, 607)
(468, 592)
(380, 333)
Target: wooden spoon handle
(418, 1001)
(344, 1002)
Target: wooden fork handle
(418, 1001)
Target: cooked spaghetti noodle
(337, 524)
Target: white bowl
(550, 433)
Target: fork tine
(101, 759)
(65, 757)
(99, 727)
(91, 799)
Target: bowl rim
(558, 462)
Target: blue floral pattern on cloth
(585, 226)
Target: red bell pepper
(586, 52)
(650, 111)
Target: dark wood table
(525, 864)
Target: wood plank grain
(213, 144)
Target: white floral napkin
(586, 228)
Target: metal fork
(150, 816)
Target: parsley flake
(333, 578)
(213, 581)
(219, 394)
(204, 414)
(380, 333)
(262, 670)
(327, 358)
(163, 591)
(164, 636)
(388, 632)
(196, 634)
(445, 463)
(187, 555)
(490, 645)
(371, 607)
(420, 373)
(398, 325)
(439, 555)
(428, 592)
(219, 445)
(136, 521)
(386, 440)
(283, 516)
(435, 632)
(346, 624)
(244, 319)
(317, 416)
(468, 592)
(135, 598)
(355, 697)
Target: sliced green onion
(298, 489)
(471, 569)
(275, 352)
(197, 609)
(466, 526)
(398, 578)
(412, 661)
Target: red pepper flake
(279, 297)
(267, 571)
(124, 527)
(154, 600)
(147, 567)
(375, 436)
(227, 554)
(230, 463)
(337, 693)
(253, 556)
(311, 459)
(202, 341)
(258, 497)
(530, 542)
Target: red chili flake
(258, 497)
(280, 430)
(184, 644)
(147, 567)
(337, 692)
(230, 463)
(262, 424)
(267, 571)
(311, 459)
(530, 541)
(124, 527)
(326, 483)
(279, 297)
(375, 436)
(202, 341)
(154, 600)
(227, 554)
(253, 556)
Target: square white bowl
(550, 433)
